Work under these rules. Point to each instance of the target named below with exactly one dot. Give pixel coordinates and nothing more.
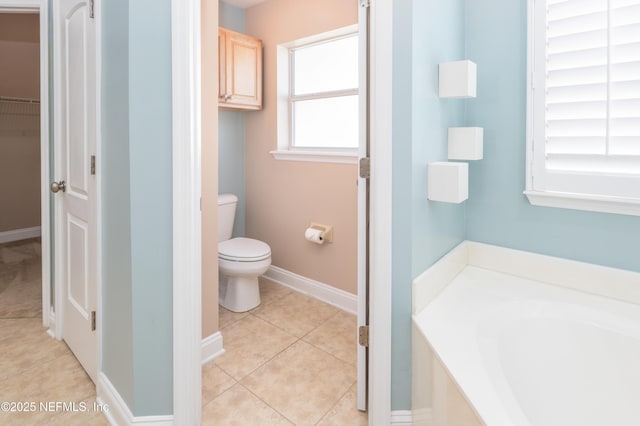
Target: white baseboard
(116, 410)
(401, 418)
(324, 292)
(51, 331)
(423, 417)
(212, 347)
(19, 234)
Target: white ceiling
(244, 3)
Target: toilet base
(239, 294)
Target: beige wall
(209, 167)
(284, 197)
(19, 124)
(19, 56)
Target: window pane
(327, 66)
(326, 123)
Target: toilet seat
(243, 250)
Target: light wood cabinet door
(240, 70)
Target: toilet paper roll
(314, 235)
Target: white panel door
(76, 201)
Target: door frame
(187, 265)
(187, 315)
(41, 8)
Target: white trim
(23, 6)
(98, 153)
(19, 234)
(316, 156)
(529, 166)
(41, 7)
(380, 294)
(422, 417)
(212, 347)
(334, 296)
(342, 32)
(187, 267)
(401, 418)
(116, 410)
(594, 203)
(57, 207)
(51, 317)
(45, 155)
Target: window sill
(317, 156)
(594, 203)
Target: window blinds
(592, 86)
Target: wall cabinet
(240, 71)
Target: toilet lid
(243, 250)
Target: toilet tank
(226, 214)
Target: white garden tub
(526, 353)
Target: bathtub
(526, 349)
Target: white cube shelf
(448, 182)
(457, 79)
(465, 143)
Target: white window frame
(285, 149)
(537, 176)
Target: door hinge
(365, 3)
(363, 336)
(93, 164)
(91, 8)
(93, 320)
(365, 168)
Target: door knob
(58, 186)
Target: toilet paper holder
(327, 231)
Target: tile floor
(35, 368)
(292, 360)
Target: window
(583, 119)
(318, 102)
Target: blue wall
(497, 212)
(150, 150)
(231, 135)
(117, 340)
(438, 36)
(425, 34)
(137, 204)
(402, 196)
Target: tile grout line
(337, 402)
(276, 355)
(266, 403)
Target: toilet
(240, 261)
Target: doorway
(24, 113)
(186, 29)
(283, 197)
